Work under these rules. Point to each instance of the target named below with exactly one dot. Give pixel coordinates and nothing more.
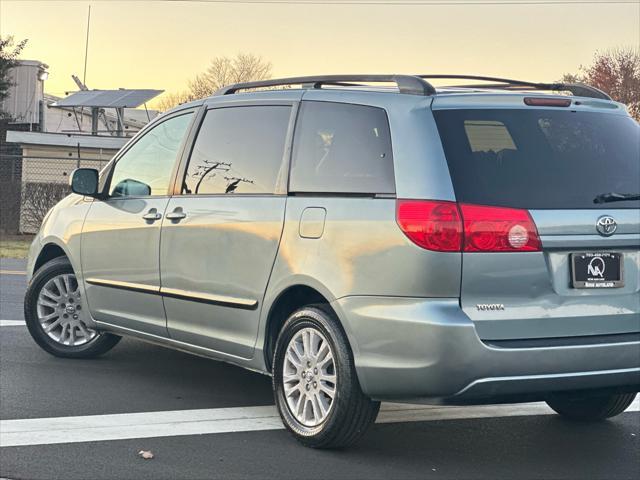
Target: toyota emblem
(606, 226)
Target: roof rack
(416, 84)
(410, 84)
(578, 89)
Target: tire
(70, 337)
(590, 406)
(340, 420)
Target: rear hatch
(562, 168)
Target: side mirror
(84, 181)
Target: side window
(238, 150)
(145, 169)
(342, 148)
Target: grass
(15, 246)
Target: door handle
(176, 215)
(152, 215)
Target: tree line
(616, 72)
(222, 71)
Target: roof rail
(578, 89)
(406, 83)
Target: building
(47, 137)
(24, 103)
(64, 152)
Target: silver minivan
(460, 245)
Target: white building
(30, 108)
(44, 143)
(51, 157)
(26, 97)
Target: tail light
(432, 225)
(449, 227)
(498, 229)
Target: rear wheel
(56, 316)
(590, 406)
(315, 384)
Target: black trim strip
(565, 341)
(133, 287)
(222, 300)
(242, 303)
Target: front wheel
(315, 384)
(57, 317)
(590, 406)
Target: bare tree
(170, 100)
(244, 67)
(37, 200)
(616, 72)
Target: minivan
(365, 238)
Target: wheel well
(288, 302)
(49, 252)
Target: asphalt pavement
(88, 419)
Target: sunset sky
(153, 44)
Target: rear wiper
(615, 197)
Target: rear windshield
(540, 158)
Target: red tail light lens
(497, 229)
(430, 224)
(449, 227)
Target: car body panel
(360, 249)
(538, 301)
(221, 253)
(488, 99)
(62, 227)
(583, 222)
(535, 292)
(439, 355)
(120, 249)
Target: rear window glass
(540, 158)
(342, 148)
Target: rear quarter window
(342, 148)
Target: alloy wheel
(60, 311)
(309, 377)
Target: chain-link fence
(31, 185)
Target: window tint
(342, 148)
(145, 169)
(238, 150)
(539, 158)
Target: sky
(162, 44)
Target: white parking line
(92, 428)
(12, 323)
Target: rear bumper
(427, 349)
